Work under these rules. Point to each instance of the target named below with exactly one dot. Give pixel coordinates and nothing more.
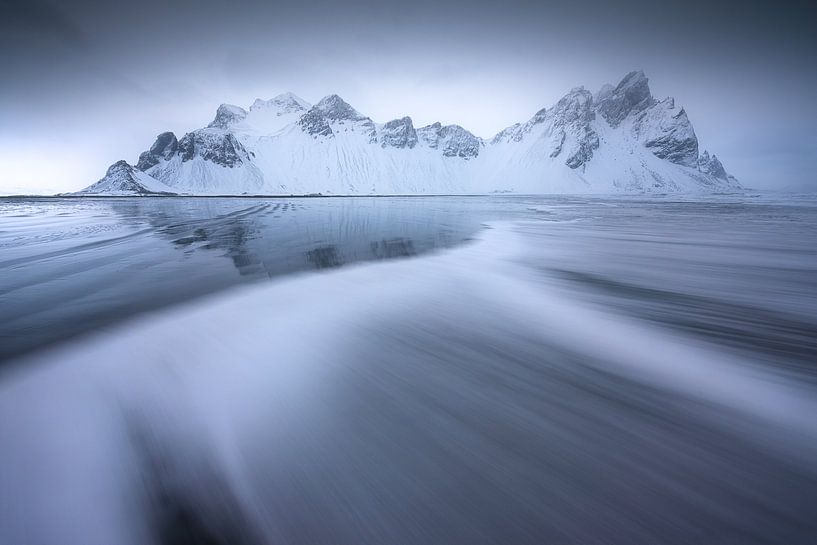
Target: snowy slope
(620, 139)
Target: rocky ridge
(620, 139)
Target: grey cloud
(40, 20)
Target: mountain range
(620, 139)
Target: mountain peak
(399, 133)
(119, 166)
(335, 108)
(330, 109)
(635, 86)
(636, 77)
(632, 94)
(290, 98)
(577, 98)
(330, 100)
(122, 179)
(227, 115)
(284, 103)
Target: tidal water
(565, 370)
(75, 266)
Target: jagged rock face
(453, 140)
(458, 142)
(667, 132)
(212, 145)
(332, 110)
(575, 108)
(712, 166)
(314, 122)
(663, 129)
(429, 134)
(567, 128)
(572, 117)
(164, 147)
(398, 133)
(227, 115)
(631, 95)
(335, 108)
(586, 143)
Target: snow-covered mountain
(123, 179)
(620, 139)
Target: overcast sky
(84, 83)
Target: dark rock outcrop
(668, 133)
(631, 95)
(711, 165)
(453, 140)
(572, 117)
(214, 146)
(398, 133)
(164, 147)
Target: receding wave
(480, 395)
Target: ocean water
(75, 266)
(588, 370)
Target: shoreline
(382, 195)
